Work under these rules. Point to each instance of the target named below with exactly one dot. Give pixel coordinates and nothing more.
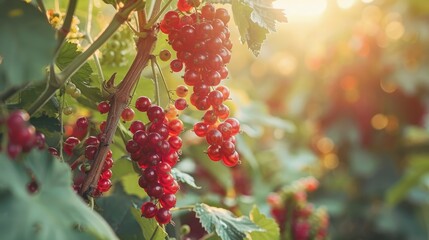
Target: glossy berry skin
(168, 200)
(148, 210)
(180, 104)
(143, 103)
(103, 107)
(82, 123)
(127, 114)
(155, 113)
(163, 216)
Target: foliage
(65, 215)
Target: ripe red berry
(232, 160)
(103, 107)
(148, 210)
(143, 103)
(127, 114)
(176, 65)
(214, 137)
(168, 200)
(180, 104)
(163, 215)
(200, 129)
(183, 6)
(82, 123)
(155, 113)
(90, 152)
(136, 125)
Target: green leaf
(27, 44)
(54, 211)
(149, 226)
(82, 78)
(224, 223)
(264, 14)
(418, 168)
(272, 230)
(25, 99)
(184, 177)
(131, 186)
(115, 209)
(250, 32)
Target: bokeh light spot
(379, 121)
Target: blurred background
(351, 77)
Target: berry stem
(91, 41)
(119, 101)
(155, 80)
(162, 78)
(190, 208)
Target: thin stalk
(62, 124)
(163, 79)
(154, 233)
(91, 41)
(155, 80)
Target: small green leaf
(54, 211)
(272, 230)
(264, 14)
(25, 99)
(131, 186)
(149, 226)
(250, 32)
(27, 44)
(184, 177)
(82, 78)
(224, 223)
(116, 210)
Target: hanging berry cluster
(21, 134)
(155, 147)
(202, 45)
(85, 158)
(296, 217)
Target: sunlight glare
(344, 4)
(301, 8)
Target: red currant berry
(180, 104)
(148, 210)
(214, 137)
(127, 114)
(163, 215)
(103, 107)
(176, 65)
(200, 129)
(143, 103)
(168, 200)
(136, 125)
(82, 123)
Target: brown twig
(119, 101)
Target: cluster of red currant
(201, 40)
(155, 147)
(289, 207)
(84, 162)
(21, 134)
